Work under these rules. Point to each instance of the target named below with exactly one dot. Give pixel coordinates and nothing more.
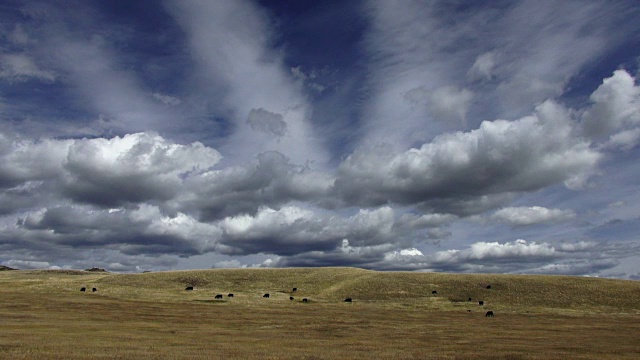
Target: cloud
(487, 251)
(447, 103)
(227, 264)
(24, 160)
(529, 53)
(616, 104)
(270, 180)
(247, 160)
(293, 231)
(267, 122)
(624, 140)
(105, 172)
(136, 167)
(29, 265)
(20, 68)
(18, 35)
(498, 158)
(518, 216)
(573, 268)
(167, 100)
(231, 44)
(483, 68)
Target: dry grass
(43, 315)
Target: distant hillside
(505, 293)
(5, 268)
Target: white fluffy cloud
(616, 104)
(486, 251)
(517, 216)
(624, 140)
(105, 172)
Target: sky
(448, 136)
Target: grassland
(394, 315)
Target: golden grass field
(394, 315)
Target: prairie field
(394, 315)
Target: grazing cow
(348, 300)
(230, 295)
(219, 296)
(489, 314)
(305, 300)
(265, 296)
(94, 289)
(188, 288)
(83, 289)
(434, 292)
(488, 286)
(290, 297)
(480, 302)
(468, 310)
(294, 289)
(469, 299)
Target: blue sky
(392, 135)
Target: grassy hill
(394, 315)
(507, 293)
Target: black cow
(188, 288)
(480, 302)
(94, 289)
(488, 286)
(434, 292)
(348, 300)
(469, 299)
(290, 297)
(489, 314)
(468, 310)
(294, 289)
(219, 296)
(305, 300)
(265, 296)
(83, 289)
(230, 295)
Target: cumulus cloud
(105, 172)
(518, 216)
(616, 104)
(293, 231)
(483, 251)
(270, 180)
(499, 157)
(624, 140)
(136, 167)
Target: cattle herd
(306, 300)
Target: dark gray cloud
(272, 180)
